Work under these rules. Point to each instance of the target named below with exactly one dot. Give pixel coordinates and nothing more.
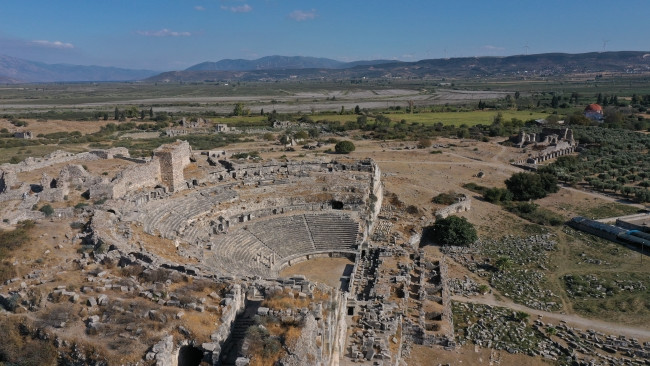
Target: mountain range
(14, 70)
(547, 64)
(279, 63)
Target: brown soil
(323, 270)
(469, 355)
(45, 127)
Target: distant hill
(15, 70)
(279, 63)
(548, 64)
(267, 63)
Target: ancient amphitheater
(242, 219)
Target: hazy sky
(172, 35)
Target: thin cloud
(199, 8)
(163, 33)
(55, 44)
(492, 48)
(238, 9)
(301, 15)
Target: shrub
(475, 188)
(344, 147)
(80, 205)
(424, 143)
(496, 195)
(412, 210)
(532, 212)
(47, 210)
(445, 198)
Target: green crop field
(469, 118)
(447, 118)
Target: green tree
(344, 147)
(238, 110)
(452, 230)
(526, 186)
(116, 114)
(150, 112)
(555, 101)
(357, 110)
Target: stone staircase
(232, 347)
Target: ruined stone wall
(56, 157)
(234, 303)
(446, 301)
(111, 153)
(377, 190)
(7, 180)
(173, 159)
(329, 330)
(465, 204)
(134, 178)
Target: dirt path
(573, 320)
(468, 162)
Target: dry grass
(202, 325)
(159, 246)
(45, 127)
(284, 300)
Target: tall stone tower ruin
(173, 159)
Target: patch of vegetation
(445, 198)
(452, 230)
(607, 295)
(47, 210)
(22, 346)
(264, 348)
(10, 241)
(344, 147)
(533, 213)
(610, 209)
(497, 195)
(527, 186)
(475, 188)
(613, 160)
